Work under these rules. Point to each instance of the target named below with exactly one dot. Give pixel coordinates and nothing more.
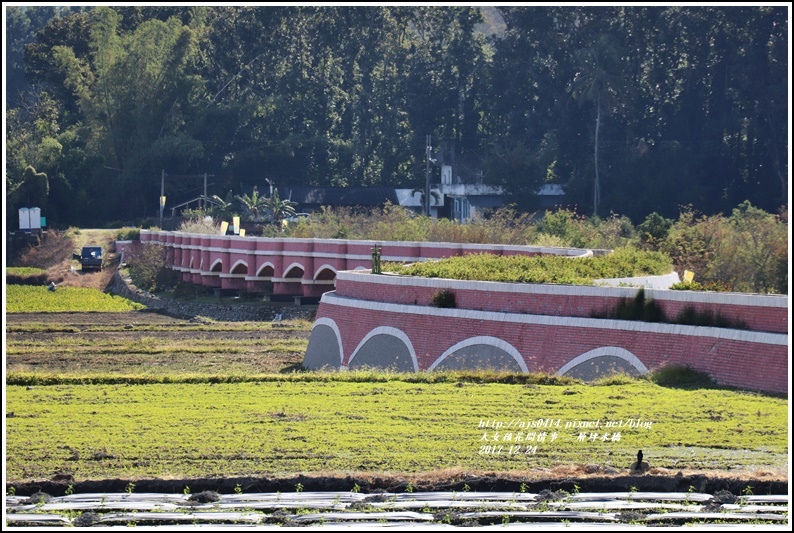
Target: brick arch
(497, 344)
(325, 272)
(606, 353)
(266, 271)
(288, 272)
(236, 268)
(217, 266)
(389, 341)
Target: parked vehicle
(90, 258)
(297, 217)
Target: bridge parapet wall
(754, 312)
(196, 256)
(386, 321)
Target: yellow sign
(224, 227)
(689, 276)
(242, 232)
(236, 222)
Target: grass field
(137, 395)
(282, 426)
(25, 271)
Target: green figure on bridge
(376, 260)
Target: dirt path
(68, 271)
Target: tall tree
(597, 80)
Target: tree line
(634, 110)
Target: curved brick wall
(545, 328)
(302, 267)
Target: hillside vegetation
(631, 109)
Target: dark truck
(90, 258)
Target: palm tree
(253, 206)
(278, 209)
(222, 208)
(596, 81)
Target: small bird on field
(640, 466)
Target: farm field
(136, 395)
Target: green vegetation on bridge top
(624, 262)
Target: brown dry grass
(53, 253)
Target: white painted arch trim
(214, 263)
(483, 339)
(613, 351)
(238, 263)
(331, 324)
(293, 265)
(394, 332)
(326, 266)
(261, 268)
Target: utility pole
(162, 196)
(427, 177)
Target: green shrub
(713, 286)
(148, 271)
(746, 252)
(680, 376)
(654, 230)
(443, 298)
(686, 286)
(550, 241)
(128, 234)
